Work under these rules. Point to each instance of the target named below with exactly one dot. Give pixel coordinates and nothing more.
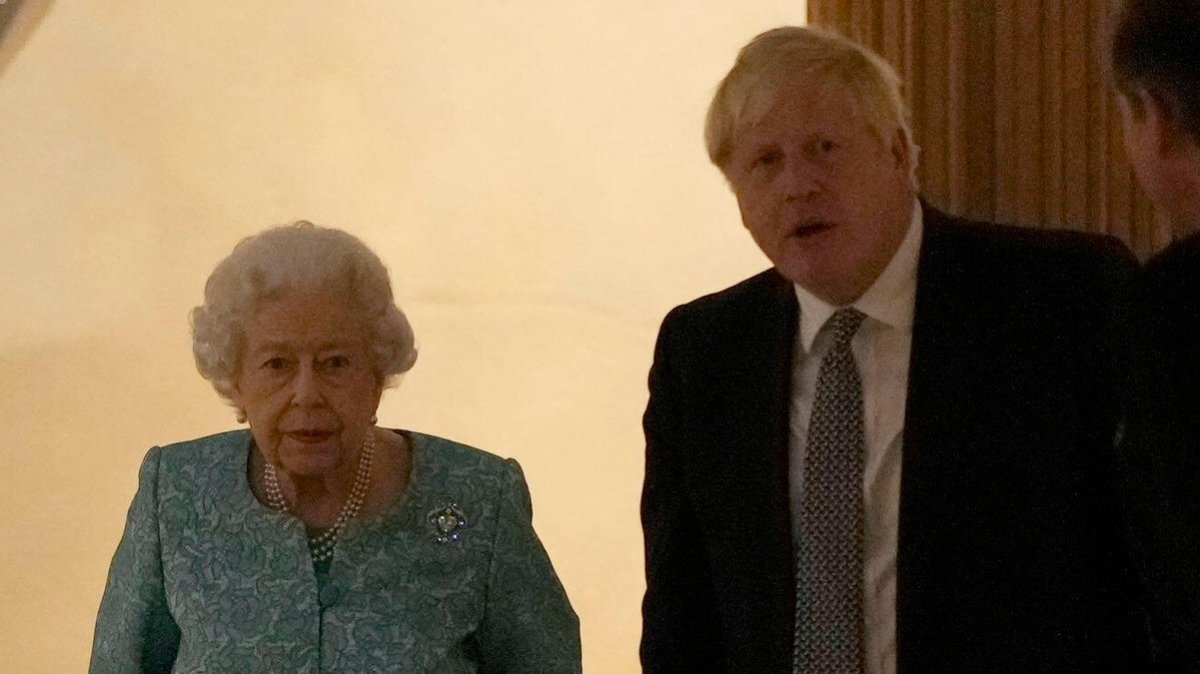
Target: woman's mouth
(310, 436)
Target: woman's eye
(335, 362)
(276, 363)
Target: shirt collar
(889, 300)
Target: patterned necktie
(829, 552)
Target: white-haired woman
(317, 541)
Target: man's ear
(903, 154)
(1159, 123)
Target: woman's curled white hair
(297, 257)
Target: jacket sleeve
(134, 628)
(528, 624)
(680, 629)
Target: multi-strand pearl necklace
(321, 546)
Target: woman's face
(306, 383)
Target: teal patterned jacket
(207, 579)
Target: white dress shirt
(881, 347)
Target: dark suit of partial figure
(1010, 554)
(1164, 458)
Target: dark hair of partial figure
(1156, 47)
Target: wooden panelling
(977, 145)
(1012, 108)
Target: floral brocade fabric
(207, 579)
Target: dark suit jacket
(1011, 557)
(1163, 459)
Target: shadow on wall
(18, 19)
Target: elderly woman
(317, 541)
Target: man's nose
(801, 180)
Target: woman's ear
(235, 397)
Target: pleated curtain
(1012, 108)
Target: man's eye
(767, 160)
(276, 363)
(824, 146)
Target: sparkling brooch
(448, 522)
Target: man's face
(1165, 158)
(823, 196)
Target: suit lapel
(747, 474)
(952, 340)
(930, 369)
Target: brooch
(448, 521)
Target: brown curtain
(1011, 107)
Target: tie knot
(844, 323)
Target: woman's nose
(306, 387)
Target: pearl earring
(374, 419)
(241, 416)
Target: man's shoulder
(1003, 241)
(1039, 260)
(720, 324)
(1167, 293)
(767, 291)
(1177, 263)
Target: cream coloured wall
(531, 172)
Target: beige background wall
(532, 172)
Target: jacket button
(329, 595)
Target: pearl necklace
(321, 546)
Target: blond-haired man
(891, 451)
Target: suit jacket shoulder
(731, 312)
(1171, 279)
(1046, 292)
(1044, 260)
